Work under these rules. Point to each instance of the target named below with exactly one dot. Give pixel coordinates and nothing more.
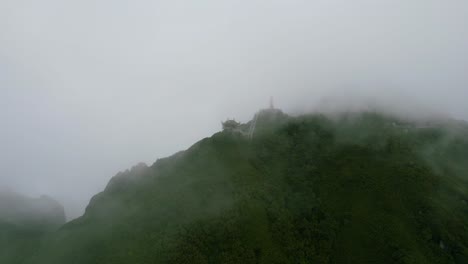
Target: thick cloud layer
(88, 88)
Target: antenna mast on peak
(272, 106)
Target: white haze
(88, 88)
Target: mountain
(343, 188)
(24, 222)
(43, 212)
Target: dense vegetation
(352, 188)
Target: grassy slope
(354, 189)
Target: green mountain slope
(353, 188)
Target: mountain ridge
(353, 188)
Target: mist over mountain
(24, 222)
(90, 88)
(354, 187)
(44, 211)
(130, 131)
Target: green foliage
(362, 188)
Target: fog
(90, 88)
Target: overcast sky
(91, 87)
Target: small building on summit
(268, 115)
(230, 124)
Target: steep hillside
(353, 188)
